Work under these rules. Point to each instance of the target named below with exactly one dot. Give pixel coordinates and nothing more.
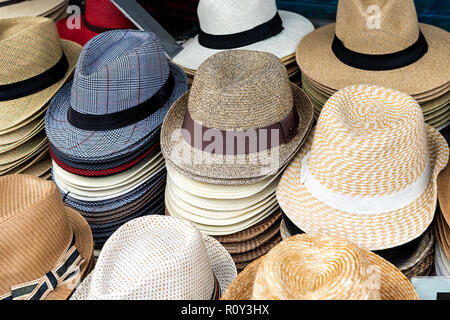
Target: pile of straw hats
(368, 174)
(319, 267)
(158, 258)
(52, 9)
(369, 45)
(442, 261)
(219, 177)
(46, 248)
(35, 64)
(104, 129)
(247, 25)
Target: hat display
(104, 129)
(443, 215)
(35, 64)
(380, 197)
(411, 57)
(57, 249)
(158, 257)
(442, 263)
(52, 9)
(320, 267)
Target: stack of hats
(104, 129)
(442, 259)
(359, 48)
(35, 64)
(249, 25)
(52, 9)
(368, 174)
(158, 258)
(47, 248)
(226, 143)
(320, 267)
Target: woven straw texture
(444, 193)
(369, 141)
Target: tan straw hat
(158, 258)
(368, 172)
(444, 193)
(319, 267)
(34, 64)
(46, 247)
(377, 42)
(242, 119)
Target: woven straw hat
(442, 263)
(407, 61)
(248, 25)
(368, 172)
(158, 257)
(35, 63)
(234, 91)
(58, 241)
(444, 193)
(319, 267)
(24, 8)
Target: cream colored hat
(249, 25)
(35, 8)
(158, 258)
(368, 172)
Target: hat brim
(374, 232)
(104, 145)
(18, 111)
(430, 72)
(444, 193)
(31, 8)
(230, 171)
(283, 44)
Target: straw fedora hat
(380, 43)
(443, 191)
(368, 172)
(248, 25)
(237, 95)
(57, 248)
(35, 63)
(24, 8)
(158, 257)
(319, 267)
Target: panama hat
(369, 45)
(319, 267)
(86, 121)
(35, 64)
(57, 248)
(162, 258)
(243, 94)
(384, 194)
(24, 8)
(248, 25)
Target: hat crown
(240, 89)
(369, 142)
(377, 26)
(29, 46)
(103, 13)
(233, 16)
(118, 70)
(34, 229)
(313, 267)
(153, 257)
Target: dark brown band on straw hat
(239, 142)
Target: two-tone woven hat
(158, 257)
(368, 172)
(53, 9)
(319, 267)
(46, 247)
(241, 121)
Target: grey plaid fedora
(123, 87)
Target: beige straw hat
(319, 267)
(42, 241)
(158, 258)
(368, 172)
(378, 42)
(35, 63)
(243, 94)
(444, 193)
(35, 8)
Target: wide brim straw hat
(376, 231)
(444, 193)
(393, 285)
(282, 45)
(30, 8)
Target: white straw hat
(158, 258)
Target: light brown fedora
(46, 247)
(236, 92)
(315, 267)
